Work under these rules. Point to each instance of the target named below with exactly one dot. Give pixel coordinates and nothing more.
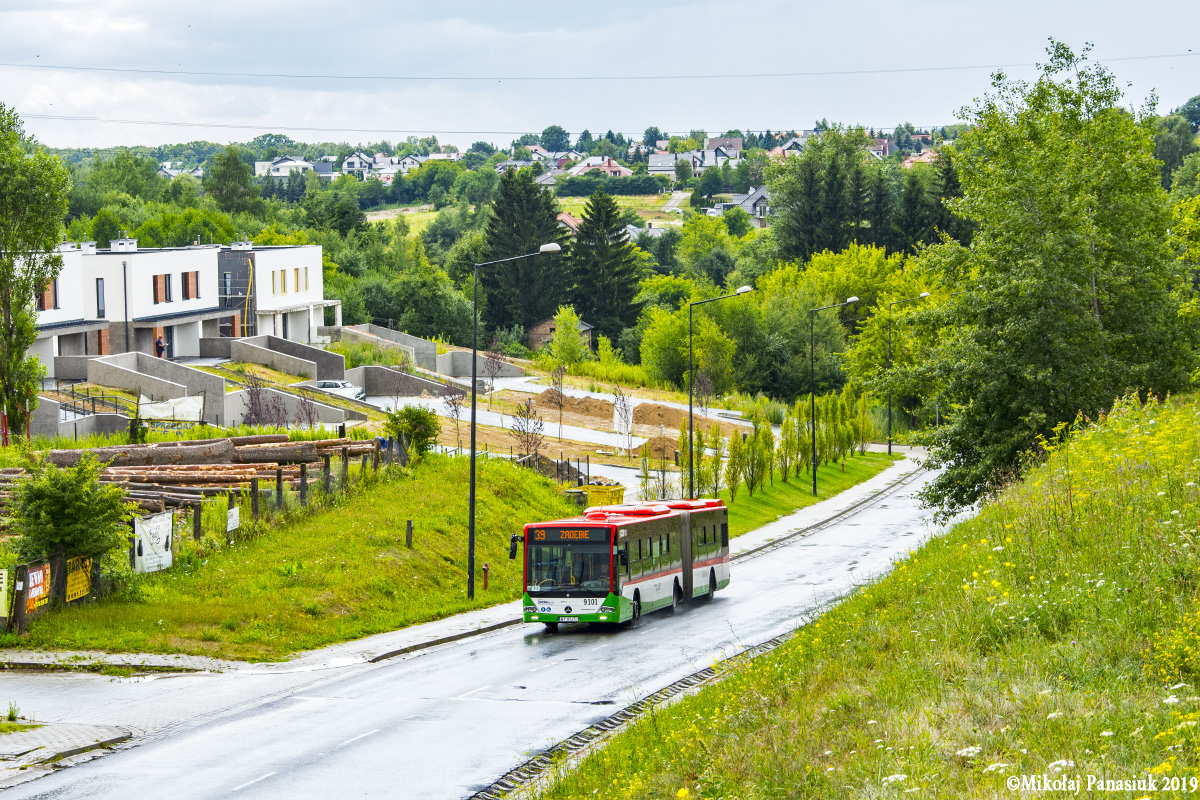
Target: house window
(296, 283)
(48, 299)
(283, 281)
(274, 282)
(306, 279)
(228, 279)
(162, 292)
(167, 284)
(99, 298)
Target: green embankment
(1056, 633)
(340, 574)
(775, 500)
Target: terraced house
(124, 298)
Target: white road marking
(250, 783)
(598, 648)
(356, 738)
(473, 691)
(543, 666)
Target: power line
(388, 131)
(567, 78)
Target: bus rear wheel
(712, 588)
(676, 599)
(551, 627)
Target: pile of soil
(586, 406)
(557, 470)
(654, 414)
(663, 447)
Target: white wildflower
(1054, 715)
(969, 752)
(1181, 686)
(1106, 733)
(894, 778)
(1058, 766)
(997, 767)
(1171, 701)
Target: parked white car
(343, 389)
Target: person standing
(159, 347)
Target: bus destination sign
(570, 535)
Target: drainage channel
(573, 746)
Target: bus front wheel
(636, 611)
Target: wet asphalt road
(448, 721)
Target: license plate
(568, 619)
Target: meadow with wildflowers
(1056, 633)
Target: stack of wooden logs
(166, 475)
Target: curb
(412, 648)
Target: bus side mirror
(512, 545)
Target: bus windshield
(569, 565)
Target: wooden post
(303, 483)
(254, 498)
(16, 622)
(279, 487)
(326, 475)
(362, 473)
(58, 576)
(403, 451)
(408, 534)
(197, 530)
(342, 431)
(345, 467)
(375, 458)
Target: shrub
(419, 426)
(69, 507)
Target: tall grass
(361, 354)
(338, 574)
(1055, 633)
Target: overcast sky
(469, 63)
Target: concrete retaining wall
(236, 404)
(72, 368)
(387, 382)
(159, 379)
(246, 350)
(457, 364)
(46, 420)
(328, 366)
(215, 347)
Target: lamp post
(921, 296)
(691, 380)
(812, 381)
(552, 247)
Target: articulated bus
(611, 564)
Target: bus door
(685, 551)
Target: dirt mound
(654, 414)
(586, 406)
(663, 447)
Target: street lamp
(812, 381)
(921, 296)
(691, 369)
(546, 249)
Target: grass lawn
(1055, 633)
(340, 574)
(772, 502)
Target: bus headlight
(530, 609)
(607, 609)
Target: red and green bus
(612, 564)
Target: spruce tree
(523, 217)
(605, 270)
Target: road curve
(446, 722)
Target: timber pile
(165, 475)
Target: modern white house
(282, 166)
(124, 298)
